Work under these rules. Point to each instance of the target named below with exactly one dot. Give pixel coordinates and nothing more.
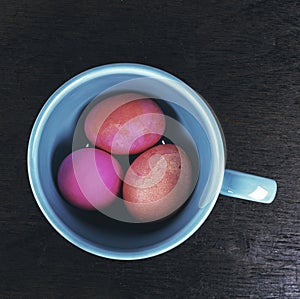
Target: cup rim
(215, 132)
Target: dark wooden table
(244, 57)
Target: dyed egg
(157, 183)
(89, 178)
(127, 123)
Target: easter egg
(157, 183)
(127, 123)
(89, 178)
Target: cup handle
(248, 186)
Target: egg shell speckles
(157, 183)
(128, 123)
(89, 178)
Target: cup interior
(52, 139)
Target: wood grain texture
(243, 57)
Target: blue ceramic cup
(52, 137)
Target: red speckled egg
(89, 178)
(127, 123)
(157, 183)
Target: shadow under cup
(51, 141)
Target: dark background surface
(241, 55)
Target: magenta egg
(128, 123)
(89, 178)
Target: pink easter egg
(89, 178)
(128, 123)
